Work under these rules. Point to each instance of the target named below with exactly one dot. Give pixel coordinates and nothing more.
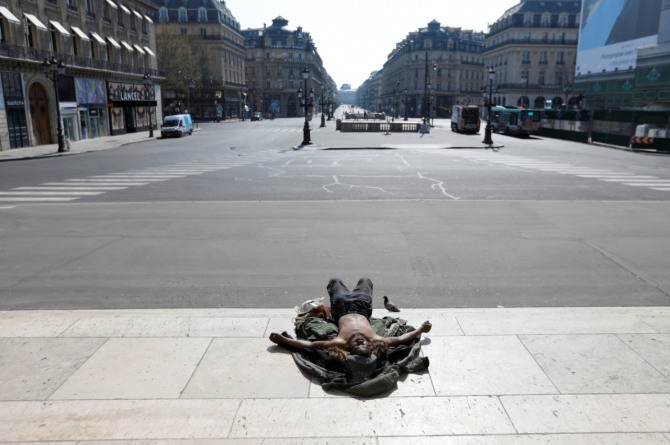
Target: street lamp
(323, 118)
(148, 82)
(487, 133)
(52, 69)
(305, 131)
(404, 101)
(426, 85)
(191, 86)
(396, 91)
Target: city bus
(465, 118)
(515, 120)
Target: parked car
(177, 125)
(257, 116)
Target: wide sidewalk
(496, 376)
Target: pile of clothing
(364, 377)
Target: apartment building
(92, 63)
(207, 78)
(277, 59)
(532, 48)
(430, 70)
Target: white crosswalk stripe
(72, 189)
(624, 178)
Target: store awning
(60, 28)
(113, 42)
(112, 4)
(151, 53)
(97, 37)
(148, 19)
(82, 35)
(138, 48)
(6, 13)
(35, 21)
(127, 46)
(126, 10)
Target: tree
(176, 58)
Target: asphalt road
(233, 217)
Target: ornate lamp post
(487, 133)
(191, 87)
(426, 85)
(567, 89)
(396, 91)
(404, 101)
(148, 83)
(323, 117)
(53, 69)
(306, 140)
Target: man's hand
(426, 326)
(278, 338)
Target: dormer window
(202, 15)
(182, 16)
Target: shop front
(13, 103)
(92, 108)
(130, 106)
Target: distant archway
(539, 102)
(40, 117)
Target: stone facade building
(432, 69)
(275, 61)
(533, 50)
(105, 51)
(215, 87)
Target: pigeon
(390, 306)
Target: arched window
(202, 15)
(182, 15)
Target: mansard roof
(217, 11)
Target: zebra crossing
(604, 175)
(76, 188)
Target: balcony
(37, 56)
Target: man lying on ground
(352, 312)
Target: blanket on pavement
(390, 367)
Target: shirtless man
(352, 311)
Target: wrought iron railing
(27, 53)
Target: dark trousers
(343, 302)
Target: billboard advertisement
(613, 30)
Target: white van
(177, 125)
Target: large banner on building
(613, 30)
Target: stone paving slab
(210, 376)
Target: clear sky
(354, 37)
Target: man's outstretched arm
(302, 344)
(409, 336)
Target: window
(183, 31)
(163, 15)
(203, 33)
(540, 77)
(560, 57)
(182, 16)
(202, 15)
(543, 57)
(526, 57)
